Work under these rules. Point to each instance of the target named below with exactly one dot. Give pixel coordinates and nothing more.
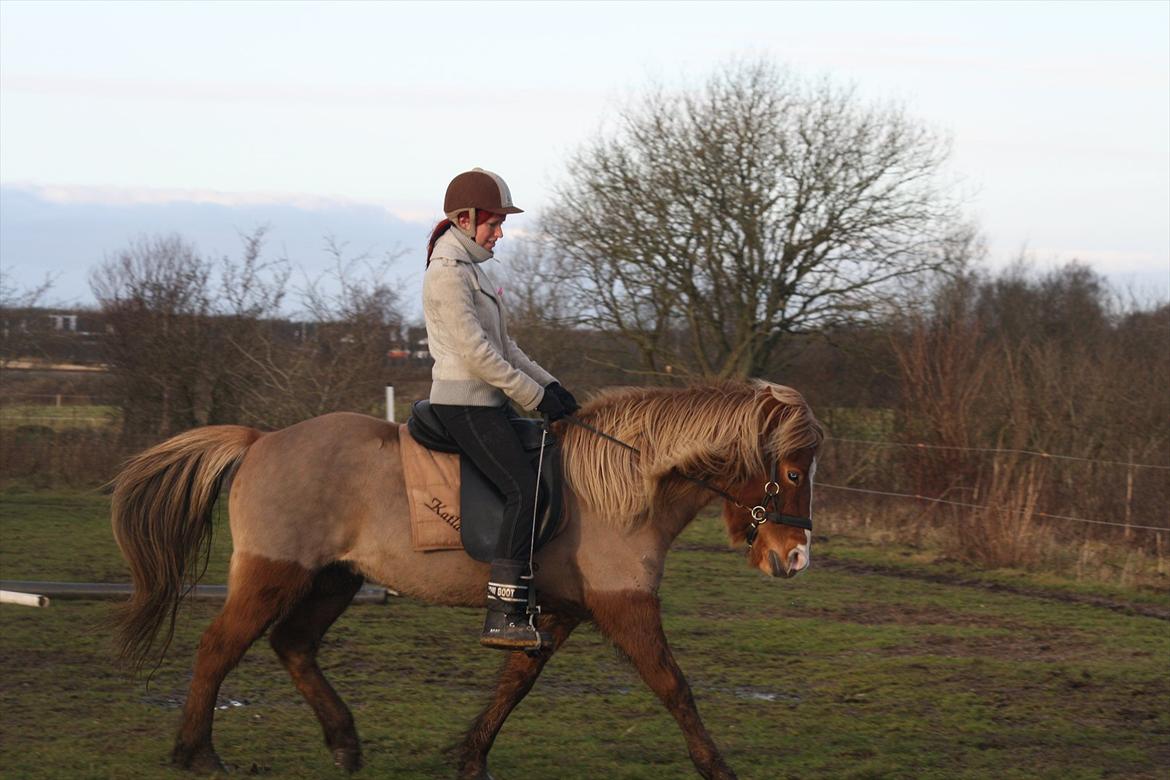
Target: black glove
(550, 406)
(567, 399)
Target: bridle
(767, 510)
(764, 511)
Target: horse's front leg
(516, 679)
(633, 621)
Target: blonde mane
(729, 432)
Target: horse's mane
(730, 432)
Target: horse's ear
(785, 395)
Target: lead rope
(533, 607)
(700, 482)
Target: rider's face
(489, 232)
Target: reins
(760, 514)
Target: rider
(478, 371)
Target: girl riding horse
(479, 371)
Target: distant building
(419, 349)
(52, 335)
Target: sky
(1059, 113)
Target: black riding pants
(488, 438)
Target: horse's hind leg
(516, 679)
(296, 639)
(259, 591)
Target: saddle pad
(432, 490)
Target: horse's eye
(794, 477)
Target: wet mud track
(828, 561)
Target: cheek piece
(767, 510)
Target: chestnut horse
(318, 507)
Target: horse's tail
(161, 514)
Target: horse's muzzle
(797, 562)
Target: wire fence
(56, 399)
(1074, 493)
(998, 450)
(966, 505)
(86, 441)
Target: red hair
(481, 216)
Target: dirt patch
(873, 613)
(827, 561)
(944, 578)
(1006, 647)
(1011, 640)
(878, 613)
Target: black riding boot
(508, 625)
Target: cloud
(377, 95)
(1108, 261)
(407, 211)
(66, 231)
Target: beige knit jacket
(476, 362)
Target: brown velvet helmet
(478, 189)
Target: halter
(763, 512)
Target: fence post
(1129, 497)
(390, 403)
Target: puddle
(176, 702)
(232, 704)
(166, 702)
(757, 694)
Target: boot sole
(512, 644)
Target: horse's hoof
(204, 761)
(471, 773)
(349, 759)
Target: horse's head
(775, 511)
(753, 443)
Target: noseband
(766, 510)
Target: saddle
(479, 513)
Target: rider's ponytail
(481, 216)
(436, 234)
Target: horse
(317, 508)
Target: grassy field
(59, 418)
(877, 663)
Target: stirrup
(512, 631)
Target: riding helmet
(478, 189)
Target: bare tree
(255, 286)
(715, 221)
(546, 323)
(531, 275)
(157, 296)
(195, 342)
(335, 357)
(19, 336)
(1001, 366)
(173, 323)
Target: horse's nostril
(774, 561)
(796, 560)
